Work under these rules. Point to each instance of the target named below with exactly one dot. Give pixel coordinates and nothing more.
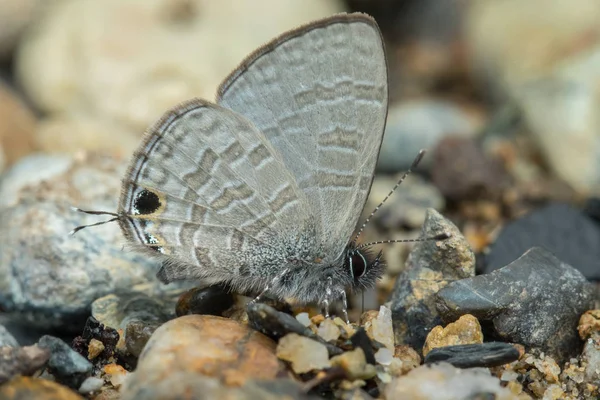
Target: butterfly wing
(203, 187)
(319, 94)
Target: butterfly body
(263, 188)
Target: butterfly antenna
(77, 229)
(414, 164)
(441, 236)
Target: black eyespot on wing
(146, 202)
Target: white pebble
(303, 319)
(91, 384)
(384, 356)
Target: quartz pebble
(303, 353)
(91, 384)
(354, 364)
(328, 330)
(303, 319)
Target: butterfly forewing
(319, 94)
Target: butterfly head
(363, 267)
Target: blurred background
(504, 94)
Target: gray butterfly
(263, 189)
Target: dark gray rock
(21, 361)
(430, 266)
(68, 367)
(277, 324)
(491, 354)
(535, 301)
(568, 232)
(6, 339)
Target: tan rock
(355, 364)
(33, 388)
(195, 346)
(15, 17)
(464, 331)
(589, 323)
(17, 126)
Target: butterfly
(262, 189)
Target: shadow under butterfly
(263, 189)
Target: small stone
(384, 356)
(21, 361)
(329, 331)
(430, 266)
(589, 323)
(33, 388)
(591, 356)
(536, 301)
(303, 319)
(355, 365)
(211, 300)
(6, 339)
(67, 366)
(461, 170)
(95, 348)
(466, 330)
(186, 349)
(137, 335)
(361, 340)
(442, 381)
(116, 374)
(303, 353)
(277, 324)
(90, 385)
(381, 328)
(408, 356)
(487, 355)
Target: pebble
(48, 276)
(567, 231)
(589, 323)
(6, 339)
(591, 358)
(97, 342)
(430, 266)
(191, 347)
(34, 388)
(65, 364)
(21, 361)
(466, 330)
(328, 330)
(488, 355)
(15, 17)
(277, 324)
(416, 125)
(90, 385)
(381, 328)
(462, 171)
(354, 364)
(17, 124)
(304, 319)
(211, 300)
(442, 381)
(304, 354)
(535, 301)
(384, 356)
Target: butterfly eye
(358, 264)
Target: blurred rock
(304, 354)
(6, 339)
(74, 133)
(570, 234)
(421, 125)
(535, 301)
(15, 17)
(185, 350)
(46, 274)
(21, 361)
(132, 72)
(65, 364)
(211, 300)
(430, 266)
(2, 159)
(17, 121)
(552, 75)
(35, 388)
(90, 385)
(462, 171)
(466, 330)
(444, 382)
(491, 354)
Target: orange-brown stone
(32, 388)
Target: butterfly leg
(270, 285)
(344, 305)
